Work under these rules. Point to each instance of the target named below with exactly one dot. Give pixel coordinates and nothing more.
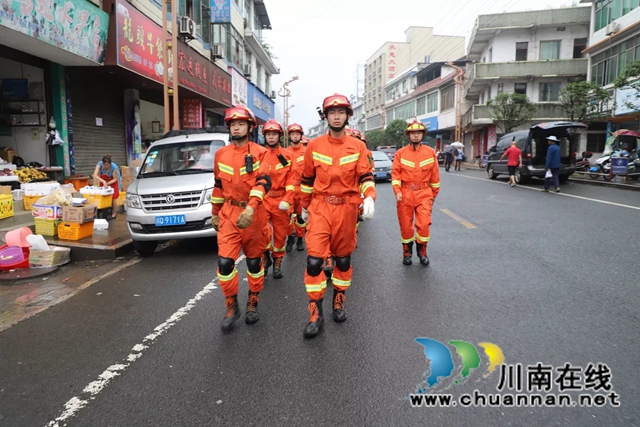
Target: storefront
(261, 105)
(38, 42)
(432, 138)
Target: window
(490, 54)
(549, 91)
(390, 95)
(504, 143)
(405, 111)
(432, 102)
(447, 95)
(520, 88)
(421, 106)
(550, 50)
(609, 10)
(578, 46)
(231, 41)
(500, 87)
(522, 50)
(596, 142)
(199, 11)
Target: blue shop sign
(431, 123)
(261, 105)
(220, 11)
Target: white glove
(305, 215)
(284, 206)
(368, 208)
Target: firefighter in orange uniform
(415, 179)
(296, 133)
(335, 172)
(279, 200)
(241, 180)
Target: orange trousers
(252, 240)
(280, 224)
(331, 231)
(297, 226)
(415, 204)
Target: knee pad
(314, 265)
(299, 219)
(226, 265)
(343, 263)
(253, 265)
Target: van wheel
(490, 172)
(145, 249)
(520, 179)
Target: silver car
(169, 198)
(382, 166)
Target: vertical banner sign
(132, 124)
(72, 159)
(58, 80)
(191, 113)
(492, 136)
(220, 11)
(239, 92)
(391, 61)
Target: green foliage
(510, 110)
(396, 133)
(375, 138)
(267, 48)
(584, 101)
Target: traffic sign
(619, 165)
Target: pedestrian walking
(448, 159)
(553, 164)
(336, 171)
(242, 179)
(415, 179)
(514, 161)
(296, 133)
(459, 156)
(278, 202)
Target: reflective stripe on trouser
(415, 205)
(331, 230)
(280, 224)
(252, 241)
(297, 209)
(341, 280)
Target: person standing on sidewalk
(415, 179)
(241, 172)
(459, 156)
(553, 164)
(514, 161)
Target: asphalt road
(548, 278)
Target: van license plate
(168, 220)
(381, 175)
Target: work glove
(305, 215)
(368, 208)
(215, 221)
(245, 218)
(284, 206)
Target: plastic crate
(6, 206)
(74, 230)
(29, 201)
(106, 213)
(78, 183)
(101, 202)
(47, 227)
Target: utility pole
(174, 51)
(285, 93)
(170, 46)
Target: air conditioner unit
(216, 52)
(273, 94)
(187, 27)
(247, 70)
(612, 28)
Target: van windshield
(181, 158)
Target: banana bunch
(29, 174)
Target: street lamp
(285, 93)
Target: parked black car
(533, 145)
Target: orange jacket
(232, 180)
(281, 176)
(336, 167)
(298, 156)
(415, 166)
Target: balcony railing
(480, 114)
(554, 67)
(550, 17)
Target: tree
(510, 110)
(584, 101)
(396, 133)
(630, 79)
(375, 138)
(267, 48)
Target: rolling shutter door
(91, 99)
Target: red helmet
(363, 138)
(294, 127)
(239, 112)
(305, 140)
(356, 134)
(416, 126)
(272, 126)
(337, 100)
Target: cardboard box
(126, 182)
(136, 163)
(56, 256)
(8, 154)
(47, 212)
(79, 214)
(5, 189)
(126, 171)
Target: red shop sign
(191, 113)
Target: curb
(605, 184)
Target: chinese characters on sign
(239, 93)
(191, 113)
(260, 105)
(391, 61)
(221, 11)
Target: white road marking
(551, 192)
(73, 406)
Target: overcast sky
(323, 41)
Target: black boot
(277, 264)
(316, 320)
(252, 315)
(300, 244)
(328, 267)
(407, 253)
(422, 254)
(290, 241)
(233, 313)
(266, 261)
(339, 313)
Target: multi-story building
(614, 41)
(319, 129)
(393, 58)
(357, 121)
(535, 53)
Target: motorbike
(603, 165)
(582, 163)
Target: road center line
(73, 405)
(555, 194)
(457, 218)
